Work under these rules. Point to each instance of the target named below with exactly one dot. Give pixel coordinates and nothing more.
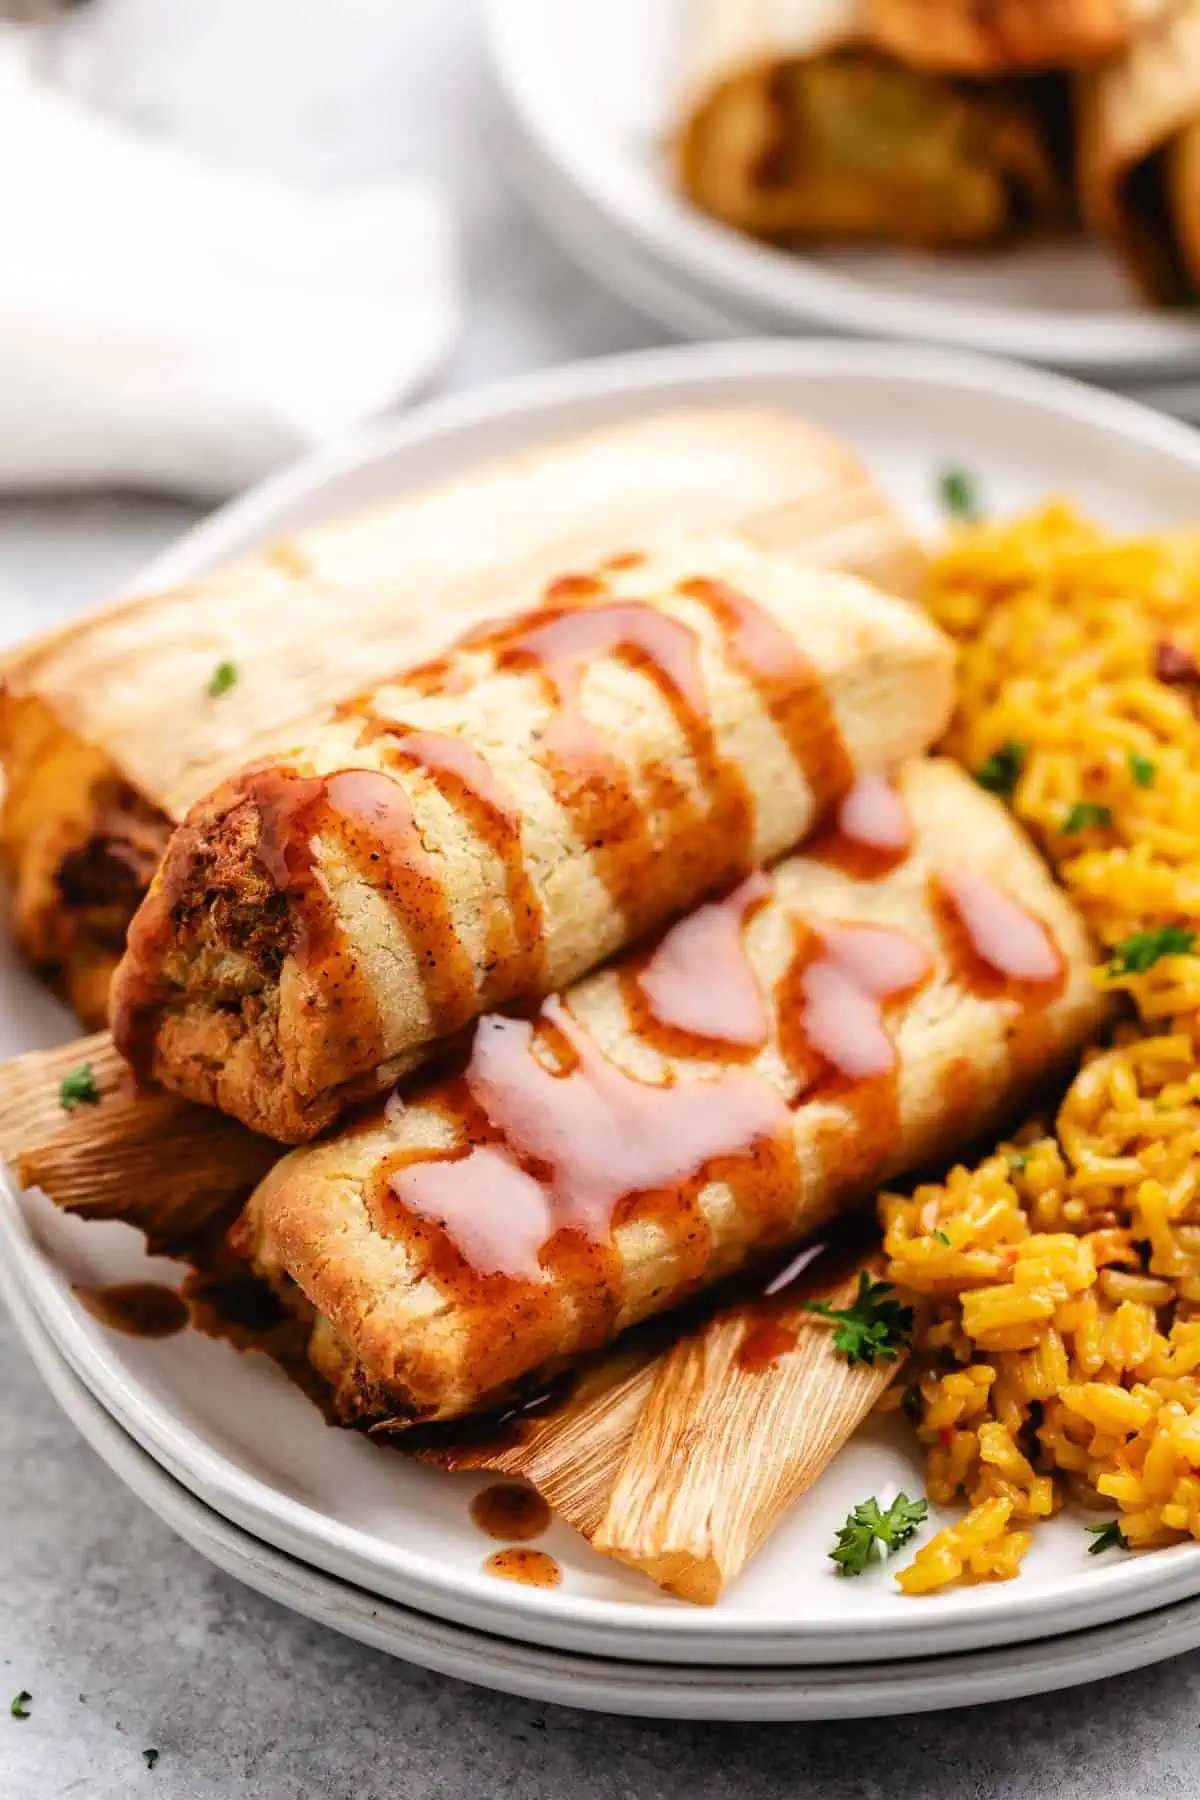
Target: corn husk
(681, 1463)
(1139, 153)
(572, 1452)
(720, 1451)
(151, 1160)
(107, 732)
(315, 617)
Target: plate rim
(636, 381)
(639, 376)
(637, 1689)
(783, 289)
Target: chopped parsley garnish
(1107, 1537)
(941, 1237)
(20, 1704)
(149, 1757)
(1141, 951)
(222, 679)
(78, 1088)
(959, 497)
(867, 1526)
(1142, 769)
(1084, 814)
(1000, 772)
(871, 1329)
(1017, 1161)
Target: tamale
(668, 1120)
(681, 1463)
(486, 828)
(108, 732)
(1139, 154)
(799, 123)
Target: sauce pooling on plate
(532, 1568)
(505, 1510)
(139, 1308)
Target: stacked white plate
(587, 93)
(225, 1449)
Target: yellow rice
(1057, 1349)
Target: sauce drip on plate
(511, 1513)
(532, 1568)
(145, 1309)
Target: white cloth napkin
(167, 324)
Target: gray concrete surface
(128, 1640)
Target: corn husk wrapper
(572, 1452)
(107, 729)
(149, 1159)
(682, 1463)
(721, 1451)
(1139, 154)
(313, 618)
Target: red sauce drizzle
(832, 1006)
(570, 588)
(532, 1568)
(871, 832)
(997, 947)
(700, 846)
(764, 1341)
(563, 1152)
(773, 1321)
(371, 818)
(695, 993)
(516, 937)
(789, 686)
(654, 849)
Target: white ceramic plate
(591, 85)
(646, 1690)
(678, 301)
(232, 1430)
